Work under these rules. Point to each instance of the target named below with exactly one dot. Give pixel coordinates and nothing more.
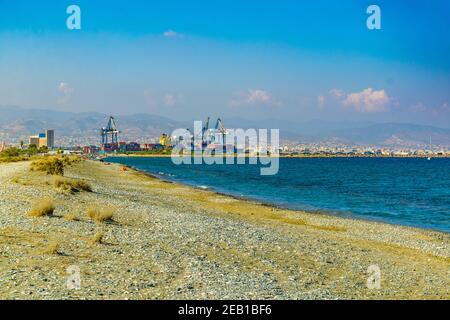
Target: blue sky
(293, 60)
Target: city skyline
(287, 61)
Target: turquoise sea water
(413, 192)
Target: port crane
(110, 133)
(204, 132)
(209, 135)
(203, 135)
(212, 135)
(220, 131)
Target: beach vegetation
(98, 238)
(52, 248)
(72, 216)
(12, 155)
(100, 215)
(54, 165)
(42, 207)
(71, 185)
(49, 165)
(15, 179)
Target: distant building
(34, 141)
(91, 149)
(148, 146)
(50, 135)
(46, 139)
(131, 146)
(164, 140)
(152, 147)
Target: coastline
(258, 201)
(273, 205)
(171, 241)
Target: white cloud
(172, 34)
(258, 96)
(321, 101)
(254, 97)
(368, 100)
(155, 101)
(336, 93)
(66, 91)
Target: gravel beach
(169, 241)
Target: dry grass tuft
(82, 185)
(71, 217)
(100, 215)
(18, 179)
(98, 238)
(52, 248)
(42, 207)
(71, 185)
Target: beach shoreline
(269, 204)
(260, 199)
(171, 241)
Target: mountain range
(83, 128)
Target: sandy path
(8, 170)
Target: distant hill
(83, 128)
(17, 123)
(382, 134)
(396, 134)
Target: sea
(405, 191)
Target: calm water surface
(413, 192)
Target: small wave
(203, 187)
(166, 174)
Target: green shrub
(49, 165)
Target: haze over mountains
(17, 123)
